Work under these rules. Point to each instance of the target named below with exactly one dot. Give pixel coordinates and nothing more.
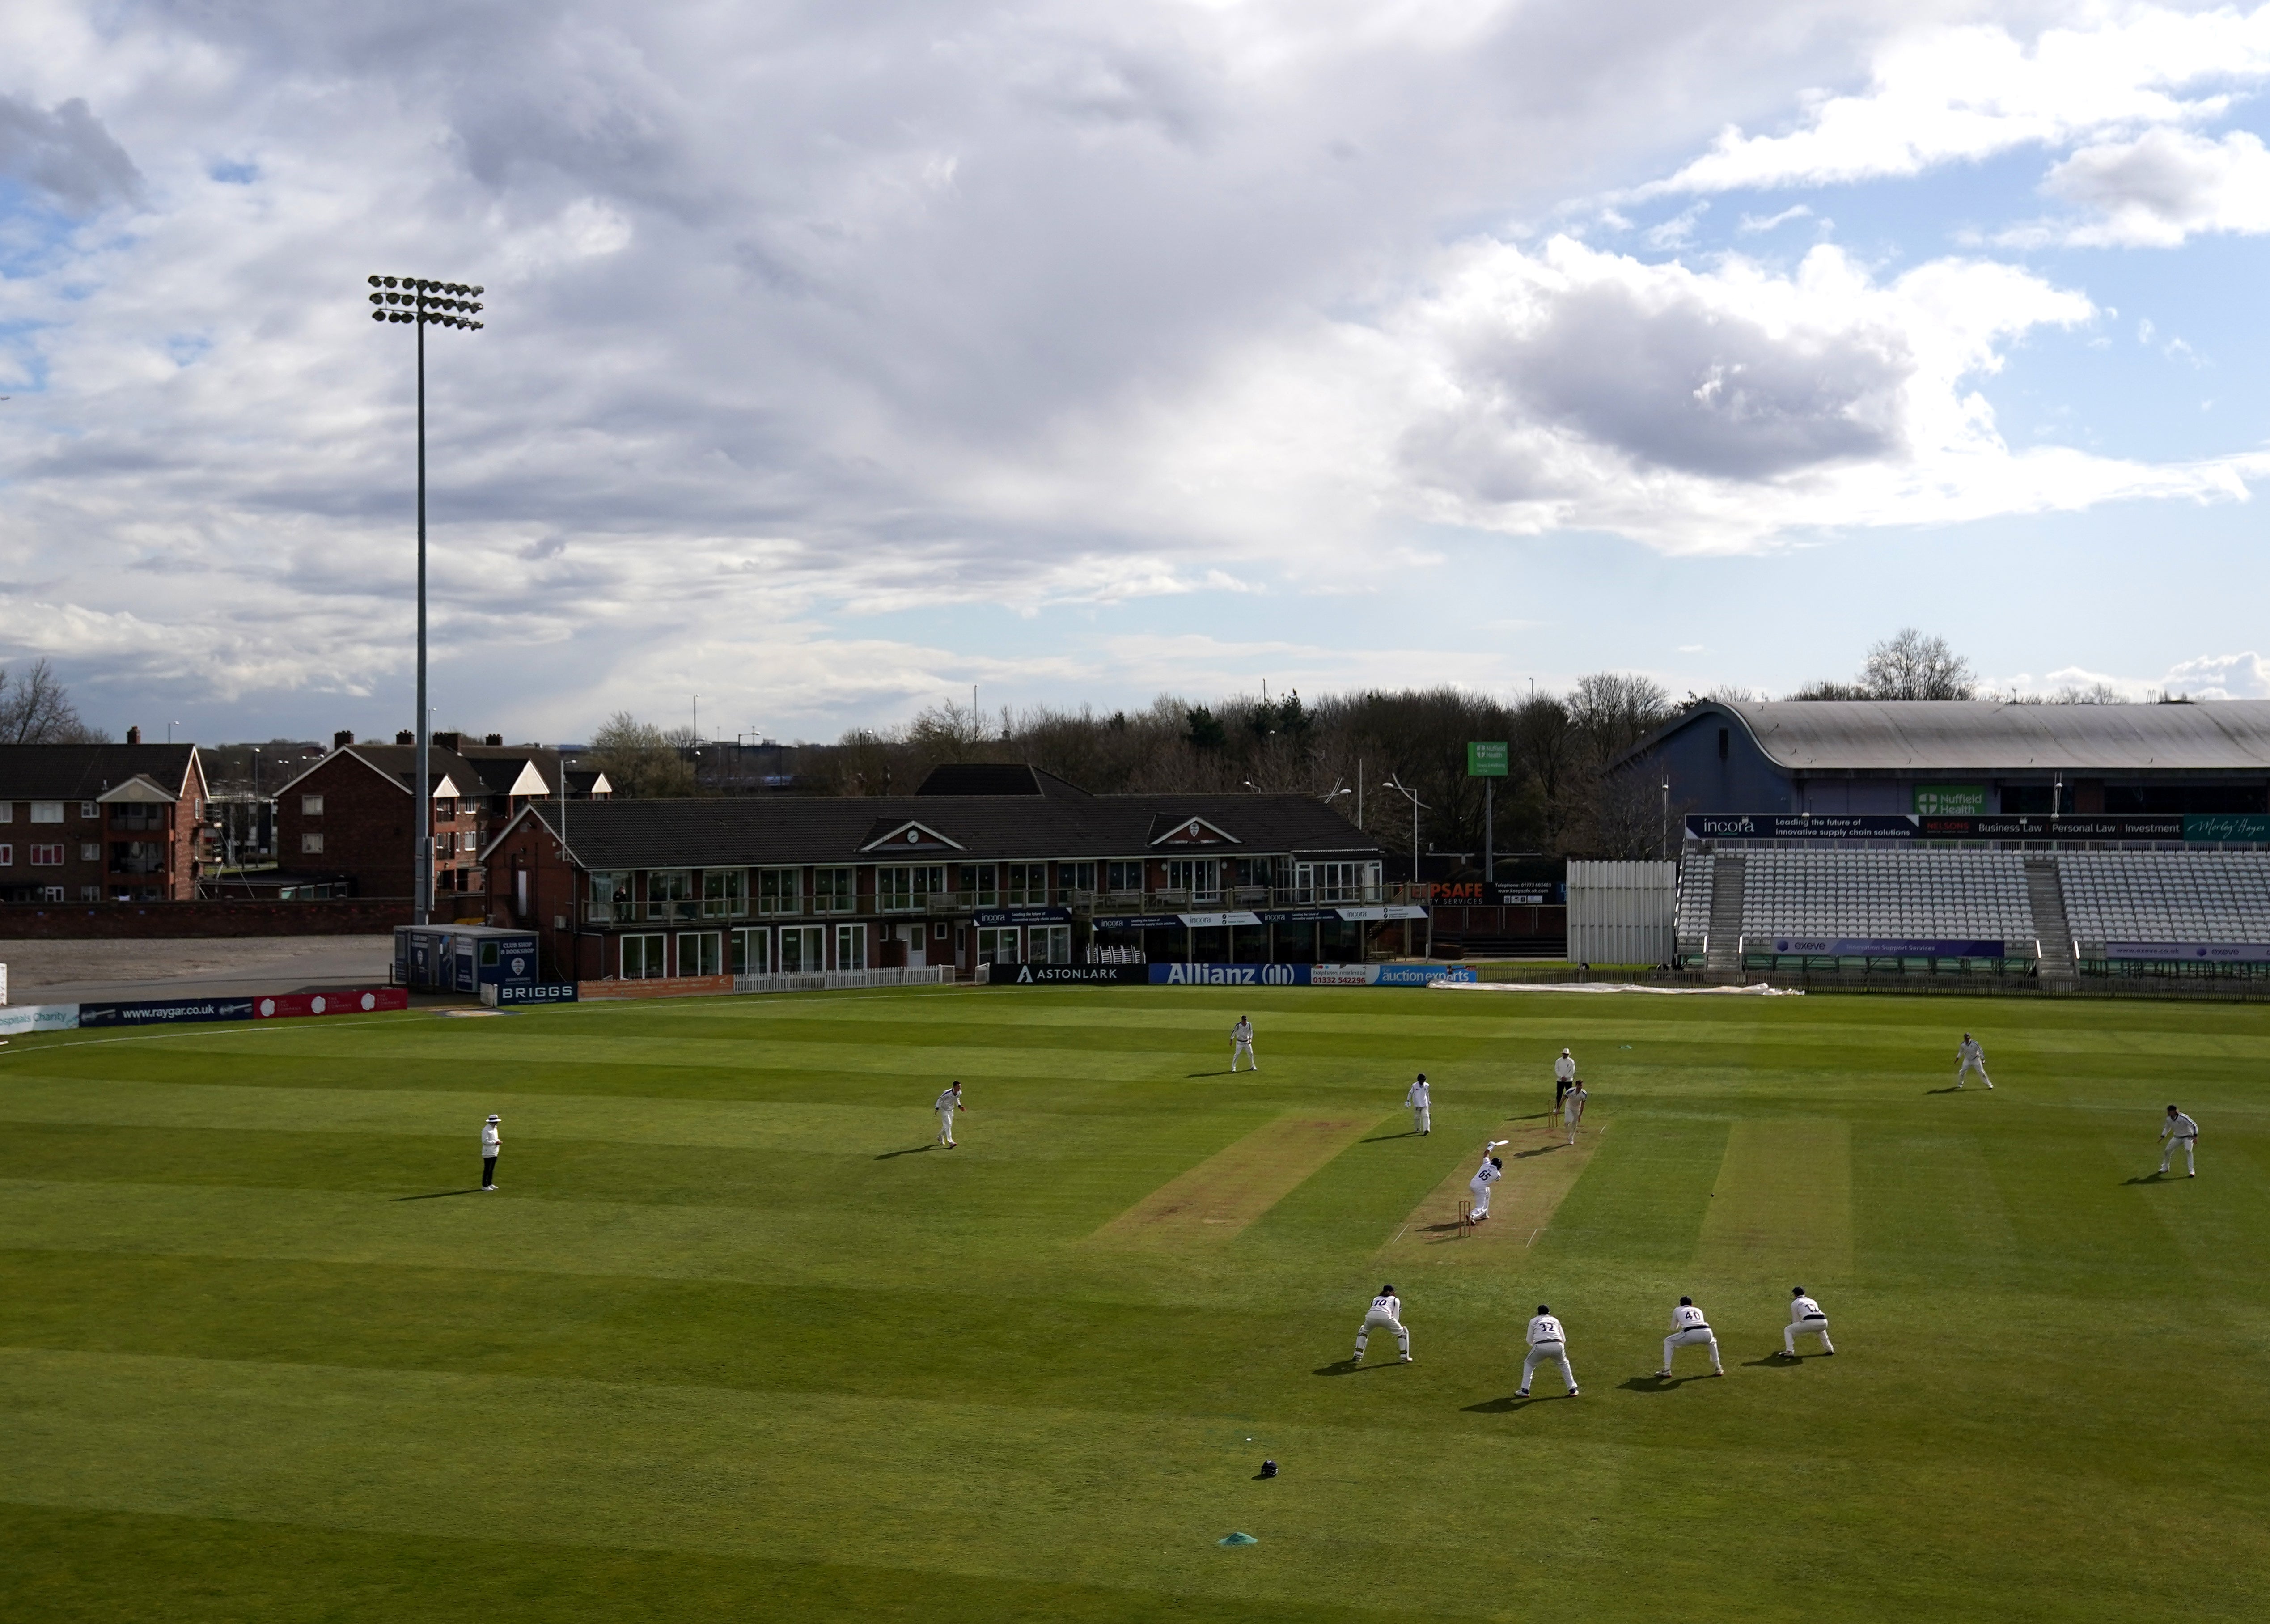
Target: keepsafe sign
(1485, 761)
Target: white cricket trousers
(1804, 1328)
(1421, 1120)
(1379, 1317)
(1481, 1197)
(945, 1127)
(1572, 1118)
(1688, 1339)
(2191, 1159)
(1548, 1353)
(1969, 1066)
(1246, 1049)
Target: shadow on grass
(1654, 1383)
(440, 1195)
(2148, 1178)
(1950, 1088)
(1512, 1402)
(911, 1150)
(1535, 1115)
(1382, 1139)
(1542, 1150)
(1774, 1361)
(1349, 1367)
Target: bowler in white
(1240, 1042)
(945, 1105)
(1689, 1328)
(1491, 1170)
(1548, 1344)
(1806, 1318)
(1572, 1109)
(2179, 1129)
(1971, 1057)
(1418, 1098)
(491, 1142)
(1386, 1311)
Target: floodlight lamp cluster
(414, 299)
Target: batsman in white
(1564, 1073)
(2179, 1129)
(1687, 1328)
(1418, 1098)
(1240, 1042)
(1971, 1057)
(1491, 1170)
(1386, 1310)
(1805, 1319)
(1548, 1344)
(945, 1105)
(1572, 1107)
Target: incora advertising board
(1225, 975)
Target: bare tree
(1909, 665)
(36, 709)
(642, 762)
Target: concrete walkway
(80, 972)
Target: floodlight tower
(423, 303)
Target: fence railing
(1101, 905)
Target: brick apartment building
(91, 823)
(351, 814)
(985, 863)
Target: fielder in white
(2179, 1129)
(1491, 1170)
(1386, 1310)
(947, 1104)
(1805, 1319)
(1572, 1109)
(1971, 1057)
(1418, 1098)
(1240, 1042)
(1548, 1344)
(1687, 1328)
(1564, 1073)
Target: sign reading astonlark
(1485, 761)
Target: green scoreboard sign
(1950, 800)
(1485, 761)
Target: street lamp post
(1396, 784)
(423, 303)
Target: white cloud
(1752, 223)
(913, 310)
(2220, 677)
(1952, 96)
(2163, 187)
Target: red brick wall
(368, 824)
(86, 829)
(67, 921)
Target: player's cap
(1796, 1291)
(1542, 1308)
(2171, 1110)
(1423, 1077)
(1387, 1288)
(1687, 1302)
(494, 1118)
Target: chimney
(494, 740)
(447, 741)
(341, 739)
(133, 736)
(406, 737)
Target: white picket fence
(839, 981)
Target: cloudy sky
(841, 356)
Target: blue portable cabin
(463, 958)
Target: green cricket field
(735, 1339)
